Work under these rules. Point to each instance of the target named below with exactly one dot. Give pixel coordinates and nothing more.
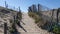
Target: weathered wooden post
(5, 28)
(19, 9)
(58, 14)
(39, 7)
(52, 15)
(51, 27)
(6, 5)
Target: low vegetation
(11, 28)
(56, 29)
(39, 21)
(16, 20)
(37, 18)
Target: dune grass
(38, 20)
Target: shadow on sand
(19, 24)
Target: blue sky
(24, 4)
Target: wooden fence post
(5, 28)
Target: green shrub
(56, 29)
(11, 27)
(11, 30)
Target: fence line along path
(29, 27)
